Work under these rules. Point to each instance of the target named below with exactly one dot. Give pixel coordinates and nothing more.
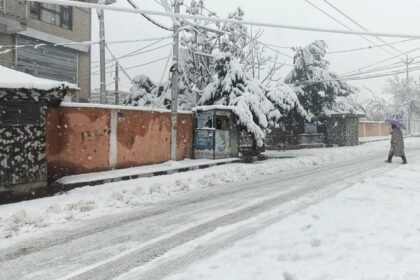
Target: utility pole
(117, 79)
(102, 56)
(175, 78)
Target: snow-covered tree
(143, 92)
(201, 40)
(377, 109)
(286, 103)
(404, 94)
(319, 86)
(256, 106)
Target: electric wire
(380, 62)
(359, 25)
(149, 18)
(216, 19)
(139, 65)
(369, 47)
(343, 24)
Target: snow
(118, 107)
(140, 170)
(28, 219)
(12, 79)
(256, 106)
(368, 231)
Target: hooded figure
(397, 145)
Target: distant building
(23, 23)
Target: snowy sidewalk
(169, 167)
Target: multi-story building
(37, 30)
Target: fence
(84, 138)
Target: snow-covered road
(155, 240)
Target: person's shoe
(404, 162)
(388, 161)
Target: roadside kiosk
(216, 134)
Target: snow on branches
(256, 106)
(145, 93)
(319, 86)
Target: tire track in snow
(116, 267)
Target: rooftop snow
(13, 79)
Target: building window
(61, 16)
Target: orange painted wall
(143, 138)
(372, 129)
(78, 139)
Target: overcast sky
(388, 16)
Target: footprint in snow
(315, 242)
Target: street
(146, 238)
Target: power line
(166, 65)
(135, 53)
(380, 69)
(117, 62)
(149, 18)
(358, 78)
(268, 46)
(215, 19)
(83, 43)
(346, 26)
(369, 47)
(359, 25)
(139, 65)
(380, 61)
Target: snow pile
(13, 79)
(369, 231)
(28, 218)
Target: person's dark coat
(397, 142)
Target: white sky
(376, 15)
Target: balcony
(13, 16)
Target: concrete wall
(89, 139)
(373, 129)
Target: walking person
(397, 145)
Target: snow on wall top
(212, 107)
(119, 107)
(13, 79)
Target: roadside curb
(60, 185)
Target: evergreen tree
(256, 106)
(319, 86)
(142, 92)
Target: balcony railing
(13, 15)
